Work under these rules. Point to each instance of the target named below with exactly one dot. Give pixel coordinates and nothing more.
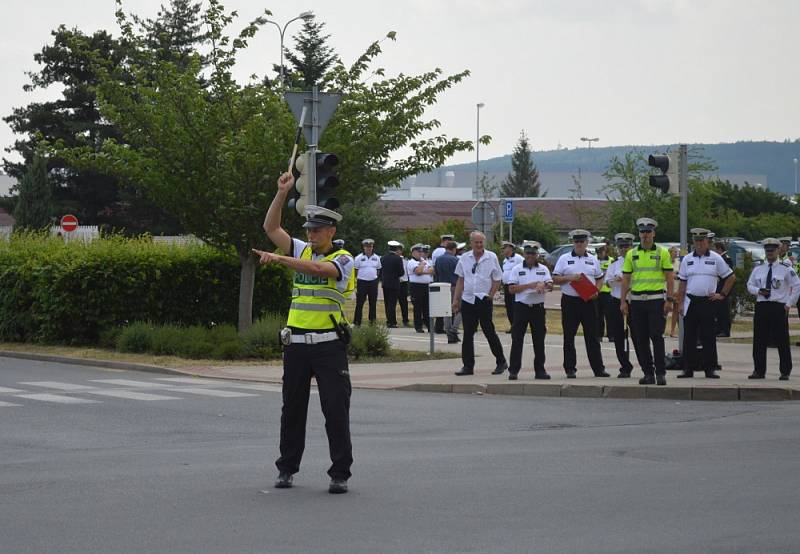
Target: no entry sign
(69, 223)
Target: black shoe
(501, 367)
(723, 335)
(711, 375)
(648, 380)
(755, 376)
(661, 379)
(464, 371)
(624, 374)
(418, 330)
(570, 373)
(602, 373)
(543, 375)
(512, 376)
(337, 486)
(453, 339)
(783, 377)
(686, 375)
(392, 325)
(439, 331)
(284, 480)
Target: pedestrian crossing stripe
(212, 392)
(71, 387)
(7, 404)
(132, 395)
(6, 390)
(45, 397)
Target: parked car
(551, 259)
(738, 248)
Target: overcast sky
(626, 71)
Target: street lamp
(305, 16)
(590, 141)
(478, 107)
(795, 176)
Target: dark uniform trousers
(722, 310)
(602, 315)
(471, 315)
(366, 290)
(648, 321)
(419, 297)
(771, 325)
(575, 312)
(508, 300)
(402, 299)
(699, 322)
(327, 362)
(526, 316)
(616, 328)
(390, 305)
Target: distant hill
(770, 159)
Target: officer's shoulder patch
(541, 273)
(522, 273)
(570, 262)
(589, 262)
(344, 259)
(710, 262)
(792, 273)
(690, 262)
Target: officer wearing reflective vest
(647, 275)
(315, 337)
(604, 299)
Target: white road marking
(7, 404)
(211, 392)
(131, 383)
(6, 390)
(58, 385)
(57, 398)
(192, 380)
(132, 395)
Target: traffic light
(327, 180)
(669, 165)
(301, 184)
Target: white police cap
(579, 234)
(770, 242)
(317, 216)
(624, 238)
(646, 224)
(700, 233)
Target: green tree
(532, 226)
(34, 207)
(433, 236)
(209, 152)
(523, 180)
(176, 34)
(313, 57)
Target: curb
(110, 364)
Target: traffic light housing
(301, 184)
(327, 180)
(669, 165)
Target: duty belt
(696, 298)
(314, 338)
(653, 296)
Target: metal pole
(312, 148)
(795, 176)
(510, 231)
(477, 148)
(683, 184)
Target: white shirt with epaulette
(521, 274)
(701, 273)
(614, 277)
(509, 264)
(785, 283)
(424, 278)
(572, 264)
(367, 267)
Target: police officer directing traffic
(529, 281)
(697, 293)
(776, 288)
(314, 339)
(616, 319)
(569, 268)
(368, 266)
(647, 274)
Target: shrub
(261, 339)
(137, 337)
(369, 340)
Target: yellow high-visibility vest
(604, 266)
(314, 299)
(646, 268)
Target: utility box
(439, 301)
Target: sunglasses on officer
(645, 231)
(577, 241)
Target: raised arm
(272, 223)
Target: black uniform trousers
(327, 362)
(648, 321)
(366, 290)
(402, 299)
(699, 322)
(419, 298)
(575, 312)
(722, 309)
(616, 329)
(602, 315)
(771, 324)
(471, 315)
(526, 316)
(390, 305)
(508, 300)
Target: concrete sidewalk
(437, 375)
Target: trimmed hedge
(74, 293)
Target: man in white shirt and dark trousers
(698, 277)
(367, 265)
(616, 320)
(478, 280)
(776, 288)
(439, 250)
(574, 311)
(529, 281)
(420, 275)
(510, 259)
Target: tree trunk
(246, 282)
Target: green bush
(71, 293)
(369, 340)
(137, 337)
(261, 339)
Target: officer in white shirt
(697, 293)
(439, 250)
(574, 311)
(528, 282)
(368, 266)
(776, 288)
(510, 259)
(479, 278)
(420, 274)
(616, 323)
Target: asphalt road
(139, 462)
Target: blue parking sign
(508, 211)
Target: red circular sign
(69, 223)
